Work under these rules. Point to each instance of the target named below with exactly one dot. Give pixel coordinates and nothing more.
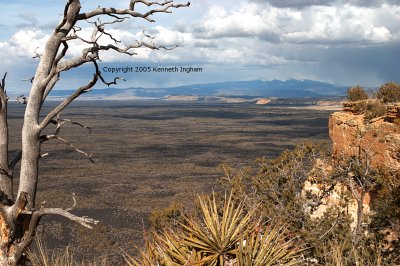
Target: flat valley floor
(149, 154)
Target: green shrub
(356, 93)
(375, 109)
(389, 92)
(370, 108)
(360, 107)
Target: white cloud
(23, 44)
(346, 24)
(318, 24)
(222, 31)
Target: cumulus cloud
(22, 44)
(244, 21)
(299, 4)
(318, 24)
(296, 3)
(337, 25)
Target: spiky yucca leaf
(220, 231)
(148, 257)
(271, 248)
(166, 249)
(176, 253)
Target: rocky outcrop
(336, 198)
(379, 137)
(263, 101)
(351, 134)
(393, 113)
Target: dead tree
(19, 214)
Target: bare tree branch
(331, 228)
(64, 20)
(29, 79)
(130, 11)
(6, 177)
(22, 99)
(49, 137)
(74, 123)
(16, 159)
(67, 101)
(147, 3)
(64, 66)
(36, 215)
(51, 85)
(62, 54)
(56, 135)
(3, 93)
(37, 55)
(101, 77)
(3, 83)
(84, 221)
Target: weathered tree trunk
(6, 182)
(31, 129)
(16, 234)
(11, 225)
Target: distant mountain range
(291, 88)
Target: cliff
(379, 137)
(351, 132)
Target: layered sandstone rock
(263, 101)
(393, 113)
(379, 137)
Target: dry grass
(41, 256)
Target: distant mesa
(265, 100)
(181, 98)
(234, 100)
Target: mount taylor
(291, 88)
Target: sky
(341, 42)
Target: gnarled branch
(3, 93)
(15, 160)
(130, 11)
(67, 101)
(56, 135)
(35, 215)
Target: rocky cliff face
(350, 132)
(379, 137)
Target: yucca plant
(217, 235)
(270, 248)
(166, 249)
(221, 236)
(148, 257)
